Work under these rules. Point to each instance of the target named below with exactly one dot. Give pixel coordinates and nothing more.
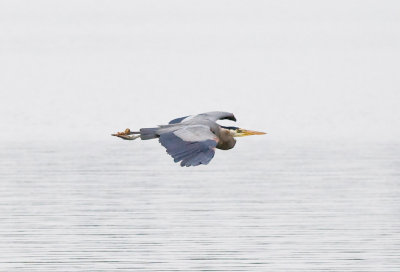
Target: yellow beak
(244, 132)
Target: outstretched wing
(192, 145)
(178, 120)
(212, 115)
(218, 115)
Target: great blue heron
(192, 139)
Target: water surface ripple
(110, 206)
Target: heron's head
(240, 132)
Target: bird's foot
(126, 135)
(126, 132)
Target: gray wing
(192, 145)
(218, 115)
(177, 120)
(212, 116)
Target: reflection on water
(126, 206)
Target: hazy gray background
(296, 69)
(299, 70)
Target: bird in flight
(192, 140)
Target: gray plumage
(190, 140)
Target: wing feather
(212, 115)
(219, 115)
(191, 145)
(177, 120)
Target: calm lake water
(275, 206)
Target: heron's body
(193, 139)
